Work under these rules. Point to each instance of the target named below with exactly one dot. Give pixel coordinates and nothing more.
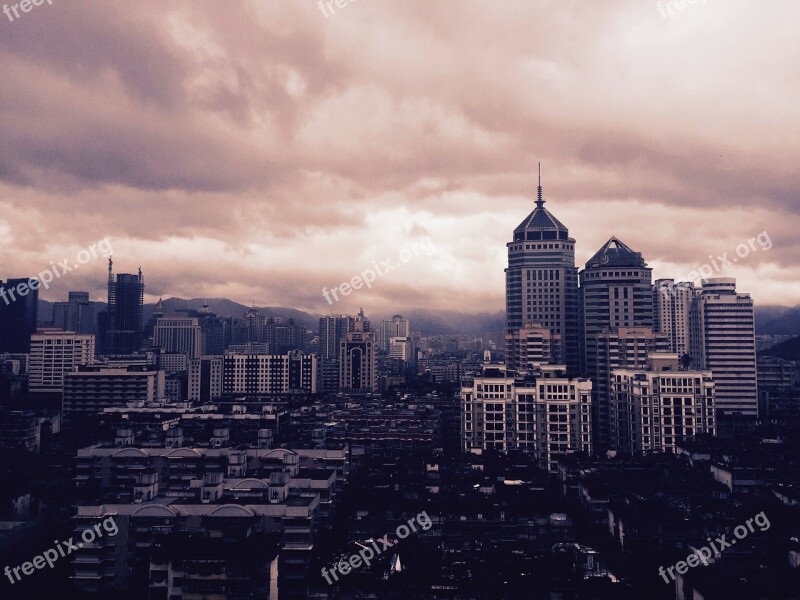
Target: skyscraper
(542, 281)
(121, 326)
(397, 327)
(616, 292)
(722, 340)
(19, 306)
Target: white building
(178, 335)
(55, 352)
(722, 340)
(661, 406)
(540, 412)
(90, 389)
(672, 305)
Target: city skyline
(233, 165)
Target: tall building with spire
(542, 282)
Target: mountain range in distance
(770, 320)
(427, 322)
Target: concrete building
(90, 389)
(396, 327)
(532, 345)
(661, 406)
(672, 306)
(55, 352)
(722, 340)
(541, 412)
(542, 281)
(76, 314)
(181, 335)
(616, 291)
(358, 361)
(213, 377)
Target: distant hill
(777, 320)
(228, 308)
(789, 350)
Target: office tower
(664, 404)
(722, 340)
(532, 345)
(331, 331)
(53, 354)
(616, 291)
(90, 389)
(180, 335)
(19, 306)
(542, 280)
(121, 326)
(672, 303)
(397, 327)
(541, 412)
(76, 314)
(358, 357)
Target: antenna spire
(539, 199)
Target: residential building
(54, 353)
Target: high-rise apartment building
(722, 340)
(541, 412)
(19, 306)
(542, 281)
(396, 328)
(616, 292)
(672, 304)
(663, 405)
(53, 354)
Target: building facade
(542, 281)
(541, 412)
(53, 354)
(723, 341)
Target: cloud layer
(262, 151)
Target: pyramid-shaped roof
(614, 253)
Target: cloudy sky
(262, 150)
